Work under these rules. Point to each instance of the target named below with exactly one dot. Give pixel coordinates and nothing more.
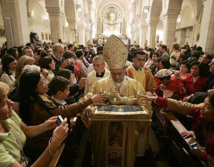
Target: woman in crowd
(183, 72)
(13, 134)
(47, 65)
(203, 121)
(36, 107)
(24, 60)
(8, 70)
(73, 63)
(153, 66)
(196, 80)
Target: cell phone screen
(59, 120)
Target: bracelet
(49, 148)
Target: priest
(114, 142)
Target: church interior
(107, 83)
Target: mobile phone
(194, 145)
(59, 120)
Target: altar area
(114, 132)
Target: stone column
(99, 26)
(207, 27)
(16, 22)
(182, 36)
(56, 23)
(72, 32)
(81, 34)
(143, 35)
(124, 27)
(169, 22)
(152, 25)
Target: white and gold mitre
(115, 53)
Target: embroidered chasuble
(115, 128)
(144, 76)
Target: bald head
(58, 50)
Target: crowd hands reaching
(53, 78)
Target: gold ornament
(115, 53)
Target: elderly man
(60, 62)
(99, 73)
(113, 139)
(141, 74)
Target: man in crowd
(141, 74)
(99, 73)
(60, 62)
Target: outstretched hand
(147, 98)
(99, 98)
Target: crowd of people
(40, 81)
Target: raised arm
(181, 107)
(32, 131)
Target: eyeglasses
(138, 59)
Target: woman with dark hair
(8, 70)
(183, 72)
(13, 52)
(47, 65)
(36, 107)
(195, 80)
(203, 121)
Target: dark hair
(68, 54)
(211, 98)
(6, 60)
(164, 47)
(99, 52)
(93, 55)
(195, 54)
(79, 53)
(140, 52)
(12, 52)
(187, 63)
(202, 71)
(57, 84)
(45, 62)
(156, 53)
(70, 46)
(183, 56)
(32, 36)
(195, 63)
(99, 49)
(199, 48)
(166, 63)
(65, 73)
(27, 87)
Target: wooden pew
(178, 148)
